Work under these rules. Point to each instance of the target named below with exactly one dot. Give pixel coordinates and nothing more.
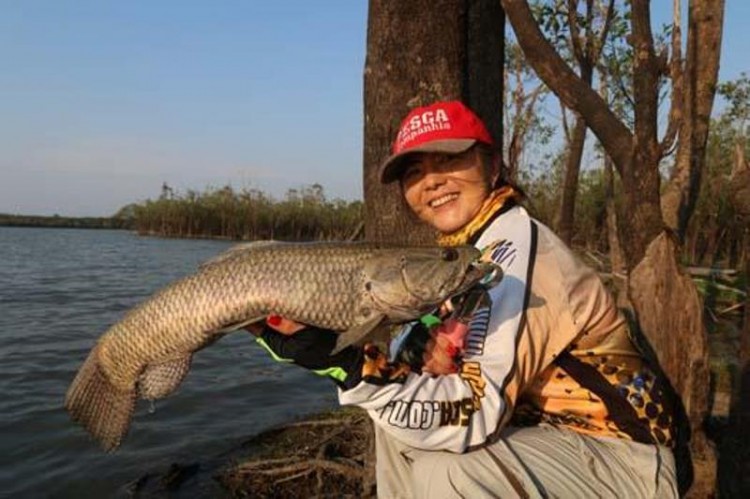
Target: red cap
(447, 127)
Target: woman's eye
(410, 172)
(449, 162)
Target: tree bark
(419, 52)
(675, 74)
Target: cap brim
(390, 170)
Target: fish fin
(236, 249)
(98, 405)
(357, 333)
(240, 325)
(159, 379)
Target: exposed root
(318, 458)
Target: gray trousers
(539, 461)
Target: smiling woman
(527, 386)
(446, 191)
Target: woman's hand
(309, 347)
(280, 324)
(445, 347)
(442, 351)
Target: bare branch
(619, 79)
(608, 16)
(590, 36)
(575, 33)
(572, 91)
(564, 115)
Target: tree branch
(590, 37)
(569, 88)
(676, 75)
(620, 81)
(609, 14)
(575, 33)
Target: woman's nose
(433, 179)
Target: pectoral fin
(159, 379)
(357, 333)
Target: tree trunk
(616, 258)
(734, 460)
(617, 261)
(642, 221)
(699, 80)
(419, 52)
(587, 49)
(573, 158)
(739, 182)
(670, 312)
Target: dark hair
(492, 158)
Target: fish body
(351, 288)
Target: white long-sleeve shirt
(547, 302)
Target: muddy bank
(325, 455)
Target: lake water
(59, 290)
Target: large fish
(352, 288)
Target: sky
(102, 101)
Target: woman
(544, 395)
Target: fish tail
(99, 406)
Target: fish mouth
(486, 273)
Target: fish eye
(449, 254)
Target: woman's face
(445, 190)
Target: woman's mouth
(438, 202)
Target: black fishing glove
(311, 348)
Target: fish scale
(350, 288)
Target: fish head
(406, 283)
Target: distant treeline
(247, 214)
(63, 222)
